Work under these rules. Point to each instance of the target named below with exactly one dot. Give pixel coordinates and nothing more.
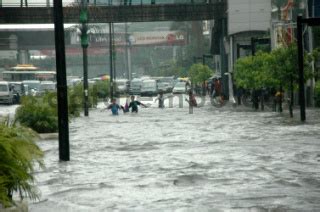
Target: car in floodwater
(135, 86)
(179, 88)
(122, 86)
(18, 89)
(48, 86)
(163, 87)
(169, 82)
(149, 88)
(6, 94)
(34, 87)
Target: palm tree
(18, 156)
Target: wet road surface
(168, 160)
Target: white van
(135, 86)
(6, 94)
(48, 86)
(122, 85)
(34, 87)
(149, 88)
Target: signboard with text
(163, 38)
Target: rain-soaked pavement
(226, 159)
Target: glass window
(3, 88)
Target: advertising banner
(163, 38)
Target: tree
(253, 72)
(316, 34)
(270, 69)
(315, 56)
(317, 94)
(19, 154)
(198, 74)
(285, 65)
(276, 69)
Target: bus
(27, 72)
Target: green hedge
(37, 114)
(317, 94)
(40, 113)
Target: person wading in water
(134, 105)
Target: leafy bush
(199, 73)
(40, 113)
(270, 69)
(37, 114)
(101, 89)
(317, 94)
(19, 154)
(76, 95)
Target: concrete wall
(248, 15)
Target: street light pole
(84, 45)
(301, 70)
(129, 62)
(114, 54)
(62, 89)
(126, 49)
(111, 61)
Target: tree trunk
(280, 101)
(291, 98)
(262, 100)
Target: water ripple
(226, 159)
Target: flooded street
(168, 160)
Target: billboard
(163, 38)
(157, 38)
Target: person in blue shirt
(114, 107)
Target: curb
(19, 207)
(48, 136)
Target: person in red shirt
(192, 99)
(217, 87)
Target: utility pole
(301, 70)
(129, 62)
(114, 54)
(84, 45)
(62, 89)
(300, 23)
(111, 60)
(126, 49)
